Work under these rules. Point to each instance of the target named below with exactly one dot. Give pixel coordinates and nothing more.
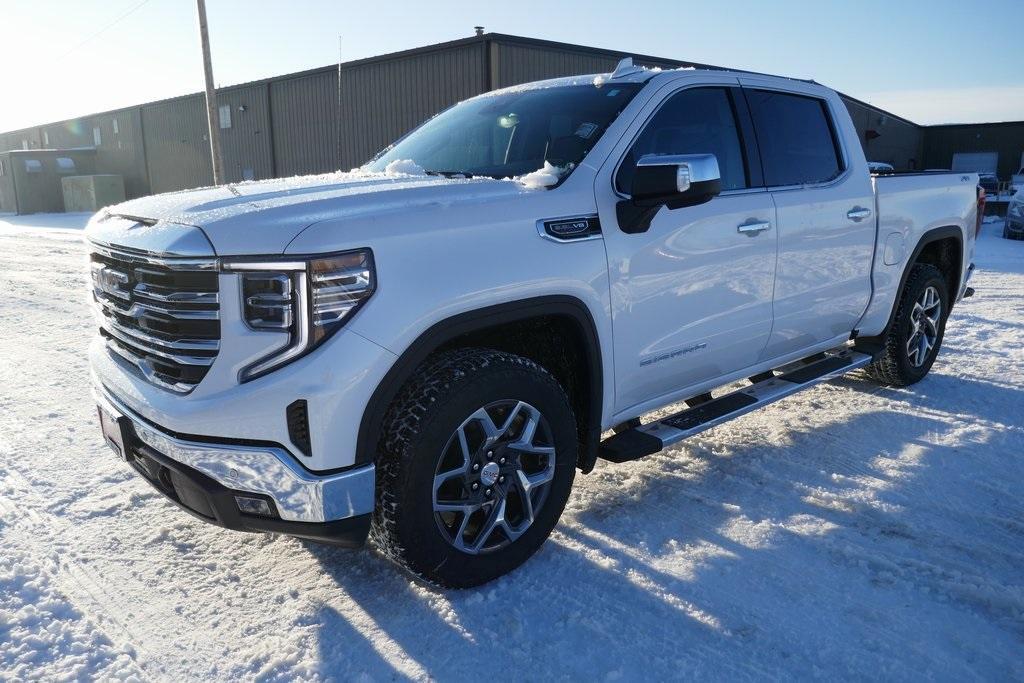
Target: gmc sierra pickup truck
(425, 350)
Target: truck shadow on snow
(788, 550)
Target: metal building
(30, 180)
(1002, 143)
(302, 123)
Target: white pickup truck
(425, 350)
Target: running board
(648, 439)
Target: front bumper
(204, 478)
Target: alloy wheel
(493, 476)
(924, 326)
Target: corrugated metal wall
(247, 146)
(305, 128)
(1007, 139)
(120, 149)
(177, 147)
(898, 143)
(519, 63)
(380, 101)
(18, 139)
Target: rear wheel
(478, 460)
(914, 339)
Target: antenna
(625, 66)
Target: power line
(102, 30)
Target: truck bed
(909, 206)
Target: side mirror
(674, 181)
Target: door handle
(858, 213)
(753, 228)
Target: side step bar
(648, 439)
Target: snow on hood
(263, 216)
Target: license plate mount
(113, 428)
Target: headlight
(307, 299)
(1017, 209)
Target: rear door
(824, 205)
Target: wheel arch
(932, 247)
(479, 327)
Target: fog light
(254, 506)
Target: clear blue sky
(931, 61)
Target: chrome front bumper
(299, 495)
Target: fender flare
(444, 331)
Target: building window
(3, 167)
(24, 144)
(65, 165)
(117, 130)
(46, 138)
(33, 166)
(97, 136)
(225, 115)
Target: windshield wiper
(450, 174)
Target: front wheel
(479, 456)
(915, 336)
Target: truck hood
(263, 217)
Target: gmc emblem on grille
(567, 229)
(110, 281)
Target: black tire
(418, 429)
(894, 365)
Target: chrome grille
(161, 315)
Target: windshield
(512, 133)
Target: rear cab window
(796, 137)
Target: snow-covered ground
(849, 531)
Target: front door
(691, 297)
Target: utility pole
(211, 97)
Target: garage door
(976, 162)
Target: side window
(695, 121)
(795, 134)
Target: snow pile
(403, 167)
(547, 176)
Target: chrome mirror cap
(690, 168)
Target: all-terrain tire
(893, 366)
(418, 432)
